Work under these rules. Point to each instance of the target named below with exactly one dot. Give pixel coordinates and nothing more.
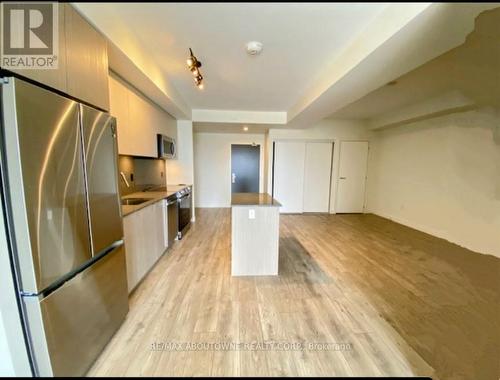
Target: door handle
(233, 178)
(343, 177)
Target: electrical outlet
(251, 214)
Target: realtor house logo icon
(29, 35)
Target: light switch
(251, 214)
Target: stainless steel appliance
(172, 218)
(184, 199)
(166, 147)
(59, 179)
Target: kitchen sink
(134, 201)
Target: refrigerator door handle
(101, 171)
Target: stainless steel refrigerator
(59, 186)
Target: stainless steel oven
(172, 219)
(185, 204)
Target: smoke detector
(254, 47)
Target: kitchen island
(254, 234)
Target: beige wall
(441, 176)
(212, 166)
(327, 129)
(180, 169)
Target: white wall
(180, 169)
(327, 129)
(441, 176)
(212, 166)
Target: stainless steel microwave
(166, 147)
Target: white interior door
(352, 177)
(289, 158)
(317, 175)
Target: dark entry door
(245, 165)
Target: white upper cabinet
(82, 61)
(139, 120)
(86, 61)
(141, 126)
(55, 78)
(119, 108)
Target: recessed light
(245, 128)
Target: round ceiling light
(254, 47)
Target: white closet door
(352, 177)
(289, 160)
(317, 174)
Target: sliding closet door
(289, 158)
(317, 175)
(352, 177)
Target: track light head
(194, 66)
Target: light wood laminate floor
(404, 302)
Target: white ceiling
(472, 69)
(317, 58)
(299, 39)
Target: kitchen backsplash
(141, 173)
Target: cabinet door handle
(343, 177)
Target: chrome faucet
(124, 177)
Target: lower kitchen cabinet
(145, 239)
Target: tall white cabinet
(317, 176)
(289, 161)
(302, 175)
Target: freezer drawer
(81, 317)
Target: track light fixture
(194, 66)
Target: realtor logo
(29, 35)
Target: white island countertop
(253, 199)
